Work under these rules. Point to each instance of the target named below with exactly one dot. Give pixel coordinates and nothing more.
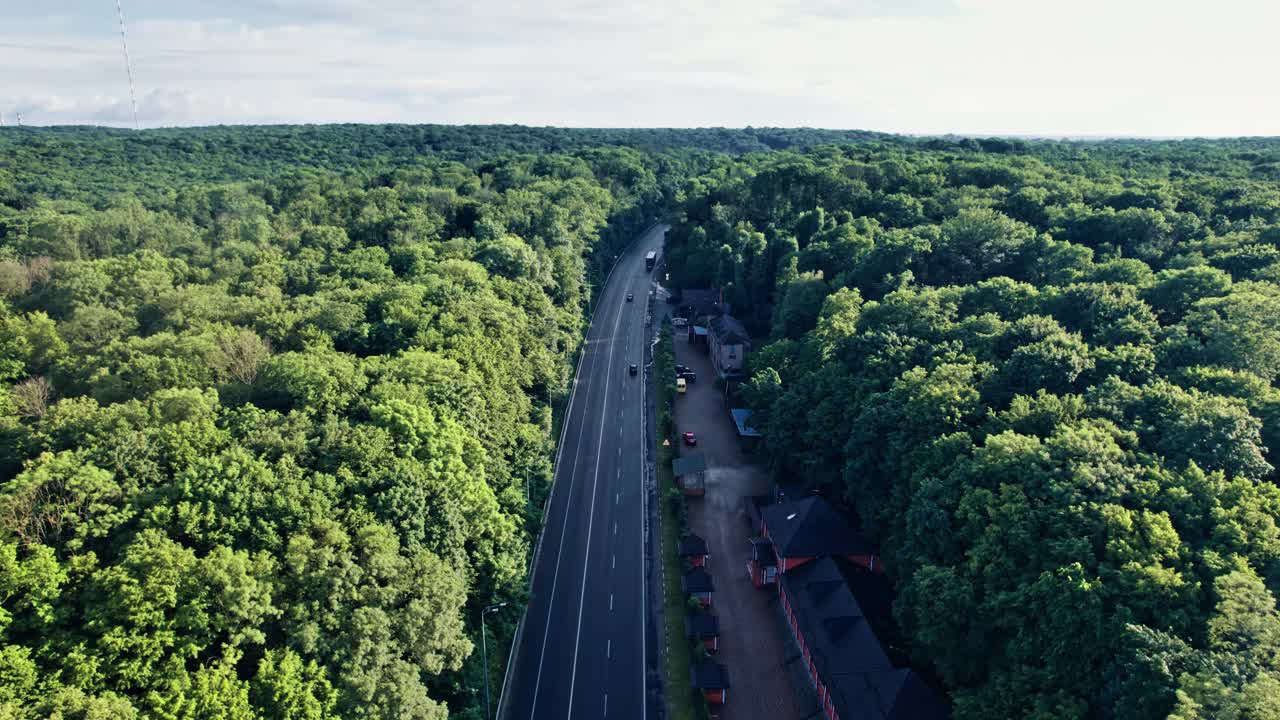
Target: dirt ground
(750, 645)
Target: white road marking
(608, 650)
(615, 527)
(573, 475)
(613, 561)
(606, 705)
(610, 602)
(644, 499)
(591, 516)
(659, 231)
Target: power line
(128, 65)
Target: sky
(998, 67)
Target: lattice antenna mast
(128, 65)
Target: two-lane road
(581, 651)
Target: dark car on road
(633, 369)
(630, 297)
(688, 375)
(689, 439)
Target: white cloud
(979, 66)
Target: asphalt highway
(580, 652)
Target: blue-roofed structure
(740, 418)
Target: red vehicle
(689, 439)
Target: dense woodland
(275, 403)
(91, 164)
(1042, 376)
(267, 444)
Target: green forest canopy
(1043, 380)
(266, 445)
(274, 402)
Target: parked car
(681, 369)
(680, 386)
(630, 297)
(679, 322)
(689, 375)
(689, 439)
(633, 369)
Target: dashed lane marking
(591, 516)
(573, 477)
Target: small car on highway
(630, 297)
(633, 369)
(689, 439)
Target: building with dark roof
(729, 343)
(704, 627)
(898, 694)
(694, 549)
(690, 474)
(698, 335)
(817, 599)
(712, 679)
(697, 584)
(804, 530)
(842, 654)
(696, 303)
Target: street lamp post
(553, 333)
(484, 654)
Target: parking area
(750, 645)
